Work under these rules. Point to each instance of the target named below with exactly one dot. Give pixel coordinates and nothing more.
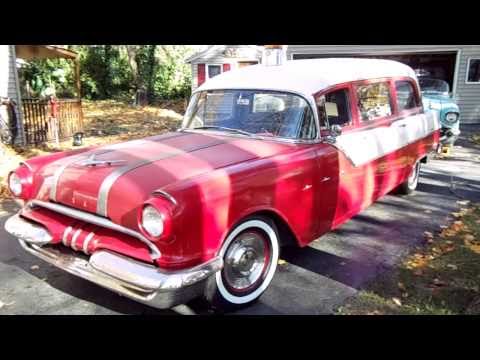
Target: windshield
(433, 85)
(251, 113)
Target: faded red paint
(217, 181)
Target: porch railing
(38, 124)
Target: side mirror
(336, 130)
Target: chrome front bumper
(133, 279)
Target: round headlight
(15, 184)
(152, 221)
(451, 117)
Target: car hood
(113, 181)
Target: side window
(334, 109)
(374, 101)
(406, 96)
(473, 70)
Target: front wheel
(250, 255)
(411, 183)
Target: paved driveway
(314, 280)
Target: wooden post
(79, 89)
(77, 78)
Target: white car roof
(307, 76)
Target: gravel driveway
(313, 280)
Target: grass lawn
(441, 278)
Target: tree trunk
(151, 73)
(106, 79)
(137, 81)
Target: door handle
(402, 125)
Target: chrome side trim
(114, 175)
(97, 220)
(67, 231)
(58, 173)
(74, 239)
(166, 195)
(27, 165)
(86, 242)
(102, 200)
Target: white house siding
(9, 82)
(215, 56)
(467, 95)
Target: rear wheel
(411, 183)
(250, 255)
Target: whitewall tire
(250, 254)
(411, 183)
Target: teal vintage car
(436, 97)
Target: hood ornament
(91, 161)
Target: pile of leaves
(476, 139)
(443, 277)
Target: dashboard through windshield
(251, 113)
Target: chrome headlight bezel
(451, 117)
(15, 184)
(152, 221)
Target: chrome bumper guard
(133, 279)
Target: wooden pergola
(37, 112)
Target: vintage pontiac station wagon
(266, 156)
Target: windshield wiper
(225, 129)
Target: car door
(341, 181)
(381, 136)
(411, 123)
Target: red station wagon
(266, 156)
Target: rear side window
(334, 109)
(374, 101)
(406, 96)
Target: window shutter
(201, 74)
(226, 67)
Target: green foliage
(49, 76)
(106, 73)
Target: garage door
(440, 65)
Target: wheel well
(287, 237)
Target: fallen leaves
(281, 262)
(397, 301)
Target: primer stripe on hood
(102, 201)
(58, 173)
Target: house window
(213, 70)
(374, 101)
(473, 70)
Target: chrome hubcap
(245, 261)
